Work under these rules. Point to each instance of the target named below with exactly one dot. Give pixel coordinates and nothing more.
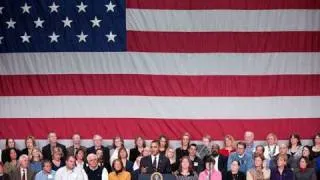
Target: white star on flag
(1, 37)
(110, 7)
(82, 37)
(82, 7)
(39, 22)
(54, 37)
(95, 22)
(54, 7)
(11, 23)
(67, 22)
(25, 8)
(111, 36)
(25, 38)
(1, 8)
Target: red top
(226, 152)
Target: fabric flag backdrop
(140, 67)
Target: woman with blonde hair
(229, 146)
(170, 154)
(272, 148)
(36, 160)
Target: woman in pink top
(210, 172)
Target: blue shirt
(245, 161)
(35, 166)
(44, 176)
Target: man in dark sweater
(94, 171)
(197, 163)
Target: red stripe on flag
(223, 4)
(159, 85)
(201, 42)
(151, 128)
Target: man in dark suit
(221, 161)
(155, 162)
(97, 144)
(23, 172)
(47, 150)
(71, 150)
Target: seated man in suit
(97, 144)
(23, 172)
(53, 142)
(155, 162)
(76, 140)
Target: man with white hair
(97, 144)
(94, 171)
(70, 171)
(249, 140)
(23, 172)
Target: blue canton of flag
(62, 26)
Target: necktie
(23, 174)
(154, 163)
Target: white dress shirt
(157, 159)
(74, 174)
(23, 171)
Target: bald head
(97, 140)
(248, 137)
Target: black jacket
(134, 153)
(46, 151)
(106, 156)
(164, 166)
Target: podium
(165, 177)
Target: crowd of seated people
(236, 160)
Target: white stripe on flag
(160, 63)
(160, 107)
(222, 20)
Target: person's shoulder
(145, 158)
(61, 145)
(46, 147)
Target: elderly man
(97, 144)
(70, 171)
(248, 139)
(76, 140)
(94, 171)
(22, 172)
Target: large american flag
(151, 67)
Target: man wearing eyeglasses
(245, 159)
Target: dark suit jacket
(70, 150)
(46, 151)
(164, 166)
(106, 156)
(16, 174)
